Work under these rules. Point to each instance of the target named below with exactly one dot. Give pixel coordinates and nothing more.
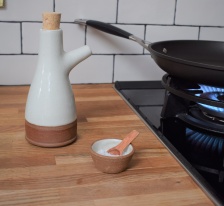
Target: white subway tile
(200, 12)
(87, 9)
(17, 69)
(103, 43)
(30, 34)
(146, 11)
(95, 69)
(10, 41)
(25, 10)
(73, 36)
(209, 33)
(163, 33)
(136, 68)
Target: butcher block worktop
(31, 175)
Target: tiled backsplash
(113, 58)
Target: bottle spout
(76, 56)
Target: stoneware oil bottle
(50, 115)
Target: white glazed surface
(106, 144)
(50, 100)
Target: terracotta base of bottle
(51, 136)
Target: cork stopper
(51, 20)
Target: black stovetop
(147, 99)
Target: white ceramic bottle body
(50, 100)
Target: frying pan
(192, 60)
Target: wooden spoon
(118, 150)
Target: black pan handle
(113, 30)
(105, 28)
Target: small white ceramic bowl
(110, 163)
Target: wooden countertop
(31, 175)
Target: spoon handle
(127, 140)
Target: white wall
(113, 58)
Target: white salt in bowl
(106, 162)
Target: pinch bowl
(107, 163)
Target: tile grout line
(54, 5)
(113, 66)
(175, 11)
(21, 39)
(85, 37)
(113, 71)
(199, 32)
(143, 52)
(117, 12)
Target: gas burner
(195, 118)
(193, 93)
(216, 119)
(208, 89)
(213, 112)
(217, 96)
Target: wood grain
(31, 175)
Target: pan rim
(183, 61)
